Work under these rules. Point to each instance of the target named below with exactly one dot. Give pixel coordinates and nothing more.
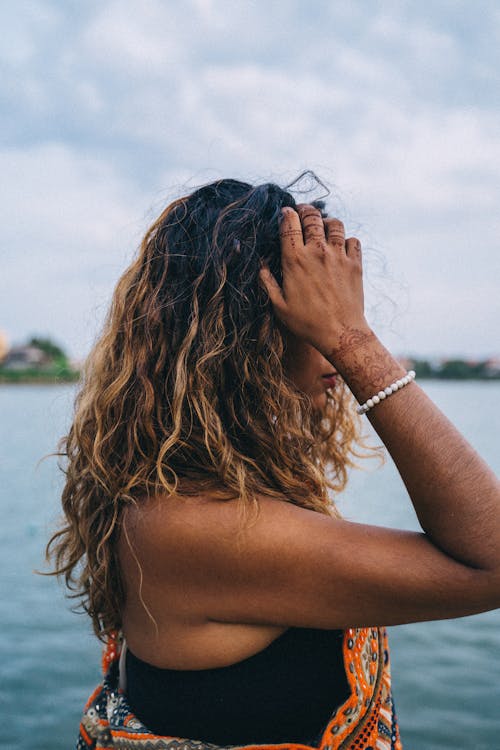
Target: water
(446, 674)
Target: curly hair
(185, 390)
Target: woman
(238, 608)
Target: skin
(306, 368)
(216, 602)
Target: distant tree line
(50, 348)
(43, 360)
(457, 369)
(40, 360)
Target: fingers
(335, 233)
(272, 287)
(290, 231)
(312, 223)
(307, 226)
(353, 249)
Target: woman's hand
(322, 296)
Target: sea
(446, 674)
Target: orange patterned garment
(366, 721)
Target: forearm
(455, 494)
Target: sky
(109, 110)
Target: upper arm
(296, 567)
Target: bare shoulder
(295, 567)
(182, 520)
(181, 536)
(203, 528)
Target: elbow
(488, 589)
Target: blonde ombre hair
(185, 390)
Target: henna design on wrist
(368, 374)
(364, 363)
(351, 339)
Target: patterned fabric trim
(366, 721)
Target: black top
(284, 693)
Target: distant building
(492, 367)
(23, 357)
(406, 362)
(4, 346)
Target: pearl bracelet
(392, 388)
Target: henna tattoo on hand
(351, 339)
(364, 363)
(370, 373)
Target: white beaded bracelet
(392, 388)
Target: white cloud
(61, 198)
(133, 99)
(23, 30)
(69, 224)
(139, 40)
(417, 40)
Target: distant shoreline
(17, 378)
(55, 380)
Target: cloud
(69, 223)
(140, 42)
(114, 107)
(25, 26)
